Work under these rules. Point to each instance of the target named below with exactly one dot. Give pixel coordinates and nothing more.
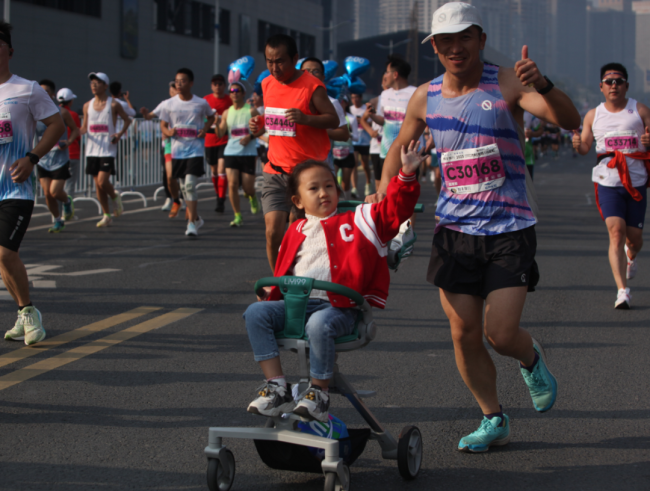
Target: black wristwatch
(33, 158)
(546, 89)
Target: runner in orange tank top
(297, 115)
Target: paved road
(126, 402)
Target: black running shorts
(213, 154)
(377, 165)
(95, 165)
(15, 215)
(362, 149)
(245, 164)
(60, 174)
(192, 166)
(480, 264)
(346, 163)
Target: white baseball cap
(454, 17)
(99, 76)
(65, 95)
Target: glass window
(191, 18)
(129, 30)
(306, 43)
(244, 35)
(85, 7)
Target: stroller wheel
(221, 472)
(333, 483)
(409, 452)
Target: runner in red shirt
(65, 98)
(214, 146)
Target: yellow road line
(69, 356)
(27, 351)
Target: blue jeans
(324, 324)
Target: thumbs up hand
(527, 71)
(577, 140)
(645, 138)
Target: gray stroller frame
(406, 449)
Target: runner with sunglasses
(241, 152)
(620, 126)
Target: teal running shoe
(541, 382)
(488, 434)
(57, 227)
(68, 209)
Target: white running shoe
(16, 333)
(105, 221)
(199, 223)
(313, 404)
(623, 299)
(183, 204)
(273, 400)
(119, 207)
(631, 266)
(367, 191)
(191, 230)
(33, 322)
(167, 206)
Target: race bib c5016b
(622, 141)
(473, 170)
(277, 124)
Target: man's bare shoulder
(418, 100)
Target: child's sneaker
(313, 404)
(273, 400)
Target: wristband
(546, 89)
(33, 158)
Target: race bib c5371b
(473, 170)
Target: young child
(349, 249)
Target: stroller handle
(357, 298)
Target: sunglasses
(613, 81)
(235, 90)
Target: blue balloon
(299, 63)
(338, 81)
(355, 65)
(357, 86)
(330, 69)
(262, 76)
(245, 65)
(334, 92)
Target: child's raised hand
(412, 157)
(263, 293)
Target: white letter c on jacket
(344, 232)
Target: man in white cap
(483, 254)
(100, 119)
(65, 97)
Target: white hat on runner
(65, 95)
(99, 76)
(454, 17)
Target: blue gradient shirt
(22, 104)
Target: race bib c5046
(622, 141)
(277, 123)
(473, 170)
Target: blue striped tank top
(481, 160)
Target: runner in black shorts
(22, 104)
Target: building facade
(142, 42)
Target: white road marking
(588, 199)
(44, 284)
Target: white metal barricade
(139, 163)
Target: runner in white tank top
(619, 124)
(100, 116)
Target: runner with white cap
(483, 254)
(621, 128)
(100, 119)
(54, 168)
(65, 97)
